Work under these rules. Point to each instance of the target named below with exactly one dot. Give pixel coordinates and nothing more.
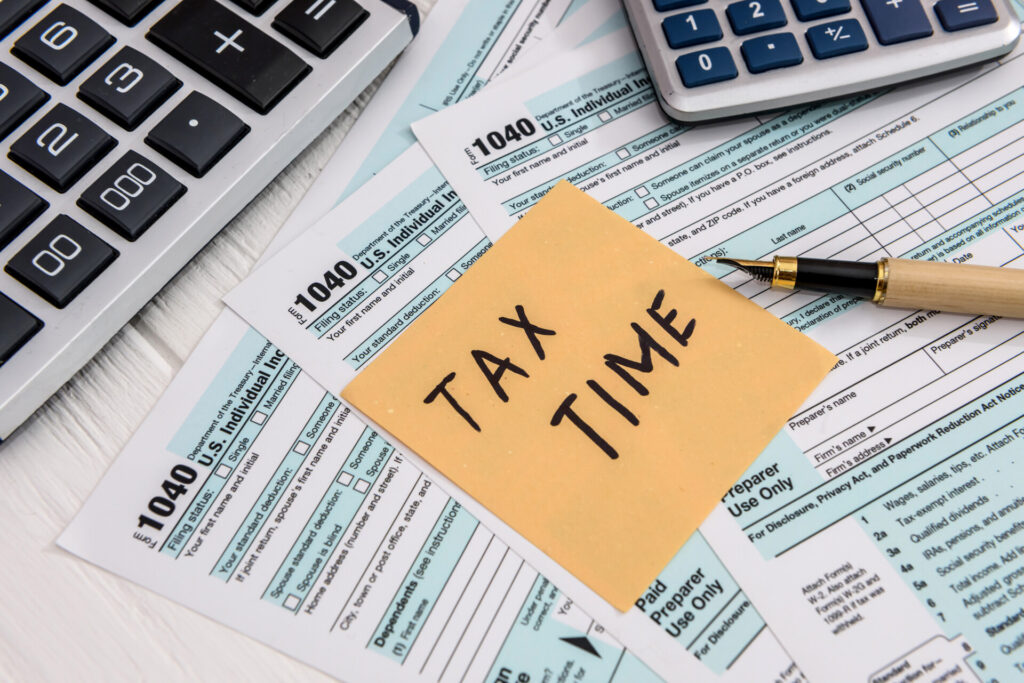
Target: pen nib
(759, 270)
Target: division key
(229, 51)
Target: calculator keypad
(892, 22)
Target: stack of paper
(879, 535)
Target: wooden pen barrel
(932, 285)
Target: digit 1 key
(230, 51)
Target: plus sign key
(897, 21)
(229, 51)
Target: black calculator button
(809, 10)
(61, 261)
(836, 38)
(62, 44)
(320, 26)
(691, 28)
(19, 97)
(229, 51)
(130, 196)
(897, 21)
(17, 326)
(19, 206)
(129, 87)
(13, 12)
(667, 5)
(61, 147)
(256, 7)
(751, 16)
(128, 12)
(956, 15)
(197, 133)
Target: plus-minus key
(229, 51)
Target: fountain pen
(899, 283)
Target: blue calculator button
(667, 5)
(897, 21)
(771, 52)
(691, 28)
(750, 16)
(809, 10)
(836, 38)
(707, 66)
(957, 15)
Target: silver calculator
(713, 59)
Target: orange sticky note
(592, 388)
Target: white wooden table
(61, 618)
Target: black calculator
(713, 59)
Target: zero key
(229, 51)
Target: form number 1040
(496, 139)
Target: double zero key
(230, 51)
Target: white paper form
(463, 45)
(884, 525)
(469, 626)
(403, 260)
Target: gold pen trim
(881, 281)
(784, 272)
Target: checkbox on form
(223, 471)
(345, 479)
(622, 154)
(651, 203)
(379, 276)
(555, 139)
(292, 601)
(453, 275)
(605, 116)
(642, 191)
(423, 239)
(362, 486)
(259, 417)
